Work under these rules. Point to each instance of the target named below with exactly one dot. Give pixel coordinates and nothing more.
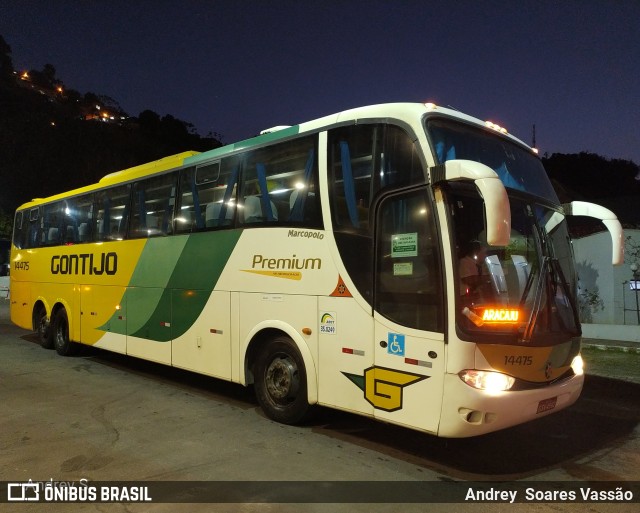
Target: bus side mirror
(496, 201)
(608, 218)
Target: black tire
(281, 381)
(60, 332)
(42, 327)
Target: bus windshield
(517, 167)
(526, 289)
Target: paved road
(102, 416)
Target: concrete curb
(612, 347)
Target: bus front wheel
(64, 346)
(281, 381)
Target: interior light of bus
(488, 381)
(501, 315)
(578, 365)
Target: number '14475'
(518, 360)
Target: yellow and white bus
(324, 264)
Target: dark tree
(6, 64)
(612, 183)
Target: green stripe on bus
(203, 260)
(168, 293)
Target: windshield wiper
(552, 271)
(564, 285)
(537, 300)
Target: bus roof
(254, 141)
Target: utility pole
(533, 137)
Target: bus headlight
(578, 365)
(487, 380)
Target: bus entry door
(405, 384)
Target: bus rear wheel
(64, 346)
(281, 381)
(42, 327)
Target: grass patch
(612, 363)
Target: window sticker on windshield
(403, 269)
(404, 245)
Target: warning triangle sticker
(341, 289)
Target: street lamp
(635, 285)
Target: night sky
(235, 67)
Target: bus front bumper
(467, 411)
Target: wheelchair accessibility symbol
(395, 344)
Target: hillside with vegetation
(54, 138)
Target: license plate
(547, 404)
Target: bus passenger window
(51, 224)
(18, 230)
(351, 176)
(152, 206)
(198, 187)
(279, 184)
(84, 218)
(112, 219)
(257, 205)
(75, 216)
(207, 196)
(364, 160)
(28, 235)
